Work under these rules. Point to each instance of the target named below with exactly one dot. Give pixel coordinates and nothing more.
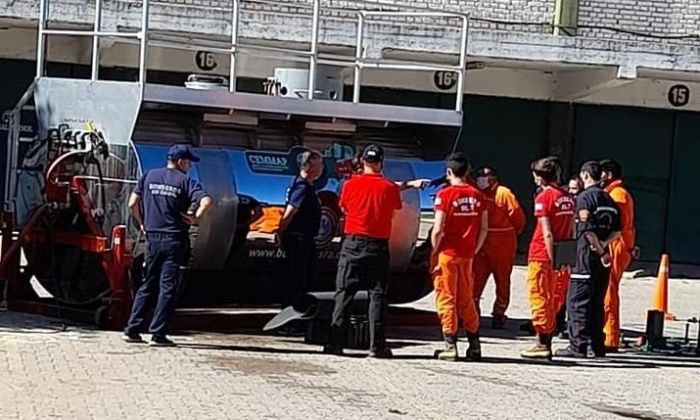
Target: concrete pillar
(566, 17)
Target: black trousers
(363, 265)
(301, 264)
(585, 304)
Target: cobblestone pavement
(85, 373)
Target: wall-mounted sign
(679, 95)
(445, 80)
(205, 60)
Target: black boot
(474, 350)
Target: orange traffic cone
(659, 301)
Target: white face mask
(482, 183)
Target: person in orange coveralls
(622, 250)
(506, 222)
(554, 209)
(459, 231)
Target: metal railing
(96, 33)
(361, 62)
(310, 56)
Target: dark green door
(641, 140)
(507, 134)
(684, 198)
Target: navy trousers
(585, 304)
(301, 265)
(165, 256)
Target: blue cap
(181, 151)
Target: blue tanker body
(249, 267)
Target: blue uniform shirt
(302, 196)
(165, 194)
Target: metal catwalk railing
(235, 48)
(96, 33)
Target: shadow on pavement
(20, 323)
(250, 349)
(433, 333)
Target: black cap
(373, 153)
(181, 151)
(485, 171)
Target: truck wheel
(102, 317)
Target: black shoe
(381, 354)
(564, 335)
(569, 352)
(292, 331)
(132, 338)
(595, 354)
(161, 341)
(332, 349)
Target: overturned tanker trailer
(68, 188)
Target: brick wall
(500, 10)
(657, 17)
(289, 19)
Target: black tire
(102, 317)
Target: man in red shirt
(368, 201)
(459, 232)
(554, 210)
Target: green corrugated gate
(641, 140)
(507, 134)
(683, 233)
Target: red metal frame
(116, 261)
(117, 272)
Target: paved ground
(84, 373)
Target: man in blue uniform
(597, 225)
(160, 205)
(299, 226)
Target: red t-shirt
(463, 206)
(369, 201)
(559, 207)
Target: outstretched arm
(413, 183)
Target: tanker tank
(234, 258)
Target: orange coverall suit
(543, 281)
(620, 253)
(506, 222)
(453, 278)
